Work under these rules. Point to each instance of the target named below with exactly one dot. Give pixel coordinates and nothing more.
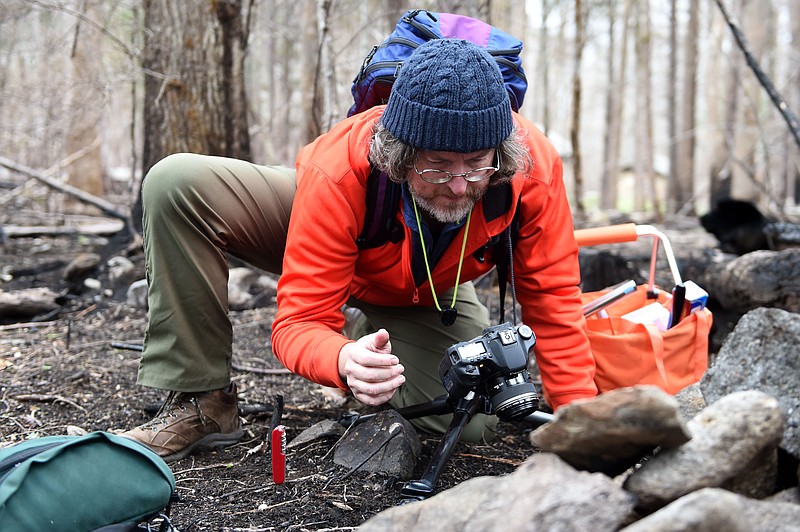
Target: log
(27, 302)
(100, 228)
(757, 279)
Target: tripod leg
(423, 488)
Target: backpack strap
(380, 223)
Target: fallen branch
(261, 371)
(29, 325)
(101, 228)
(82, 195)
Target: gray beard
(444, 215)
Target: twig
(47, 399)
(491, 459)
(29, 325)
(261, 371)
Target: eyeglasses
(438, 177)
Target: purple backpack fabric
(374, 81)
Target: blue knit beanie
(449, 96)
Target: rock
(240, 280)
(615, 431)
(544, 493)
(385, 444)
(691, 401)
(757, 279)
(715, 509)
(327, 428)
(761, 354)
(248, 289)
(727, 438)
(119, 268)
(137, 294)
(738, 226)
(80, 266)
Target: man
(467, 163)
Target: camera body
(494, 364)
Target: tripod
(463, 411)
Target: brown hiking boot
(192, 421)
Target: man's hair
(396, 158)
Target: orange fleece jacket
(323, 266)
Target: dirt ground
(64, 374)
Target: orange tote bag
(628, 353)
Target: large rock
(762, 354)
(614, 431)
(544, 494)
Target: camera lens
(513, 398)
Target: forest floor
(64, 374)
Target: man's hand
(370, 369)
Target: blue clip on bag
(99, 481)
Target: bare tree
(195, 97)
(682, 189)
(672, 105)
(646, 190)
(614, 106)
(324, 114)
(542, 62)
(575, 127)
(86, 107)
(791, 170)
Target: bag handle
(657, 343)
(630, 232)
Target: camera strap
(448, 315)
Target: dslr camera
(494, 364)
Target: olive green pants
(197, 209)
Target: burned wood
(28, 302)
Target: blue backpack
(379, 70)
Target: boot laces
(175, 401)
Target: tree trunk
(683, 187)
(195, 97)
(608, 184)
(543, 68)
(792, 157)
(672, 106)
(647, 193)
(194, 90)
(575, 128)
(324, 80)
(86, 109)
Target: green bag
(99, 481)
